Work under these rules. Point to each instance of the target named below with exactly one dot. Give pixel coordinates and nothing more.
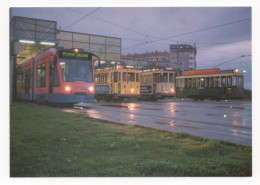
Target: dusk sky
(154, 29)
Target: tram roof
(224, 73)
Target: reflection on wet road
(230, 121)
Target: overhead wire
(120, 26)
(231, 60)
(81, 18)
(167, 38)
(191, 32)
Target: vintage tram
(213, 84)
(117, 83)
(157, 84)
(58, 75)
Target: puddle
(191, 127)
(113, 105)
(152, 109)
(229, 107)
(212, 114)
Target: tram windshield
(76, 70)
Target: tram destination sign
(75, 55)
(146, 89)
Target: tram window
(202, 82)
(171, 77)
(240, 83)
(56, 76)
(95, 77)
(217, 82)
(157, 78)
(206, 82)
(119, 76)
(131, 77)
(107, 77)
(100, 78)
(137, 77)
(185, 82)
(111, 77)
(235, 80)
(182, 83)
(41, 76)
(189, 82)
(229, 81)
(198, 82)
(124, 76)
(211, 82)
(165, 77)
(115, 76)
(193, 82)
(146, 79)
(223, 81)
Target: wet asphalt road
(229, 121)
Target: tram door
(51, 74)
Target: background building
(183, 56)
(149, 58)
(107, 48)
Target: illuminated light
(76, 50)
(129, 67)
(244, 71)
(172, 90)
(132, 116)
(67, 88)
(27, 41)
(166, 91)
(236, 70)
(132, 90)
(91, 89)
(123, 92)
(48, 43)
(112, 62)
(225, 116)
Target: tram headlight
(67, 88)
(132, 90)
(91, 89)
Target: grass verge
(45, 142)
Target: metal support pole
(14, 78)
(11, 80)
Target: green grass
(46, 142)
